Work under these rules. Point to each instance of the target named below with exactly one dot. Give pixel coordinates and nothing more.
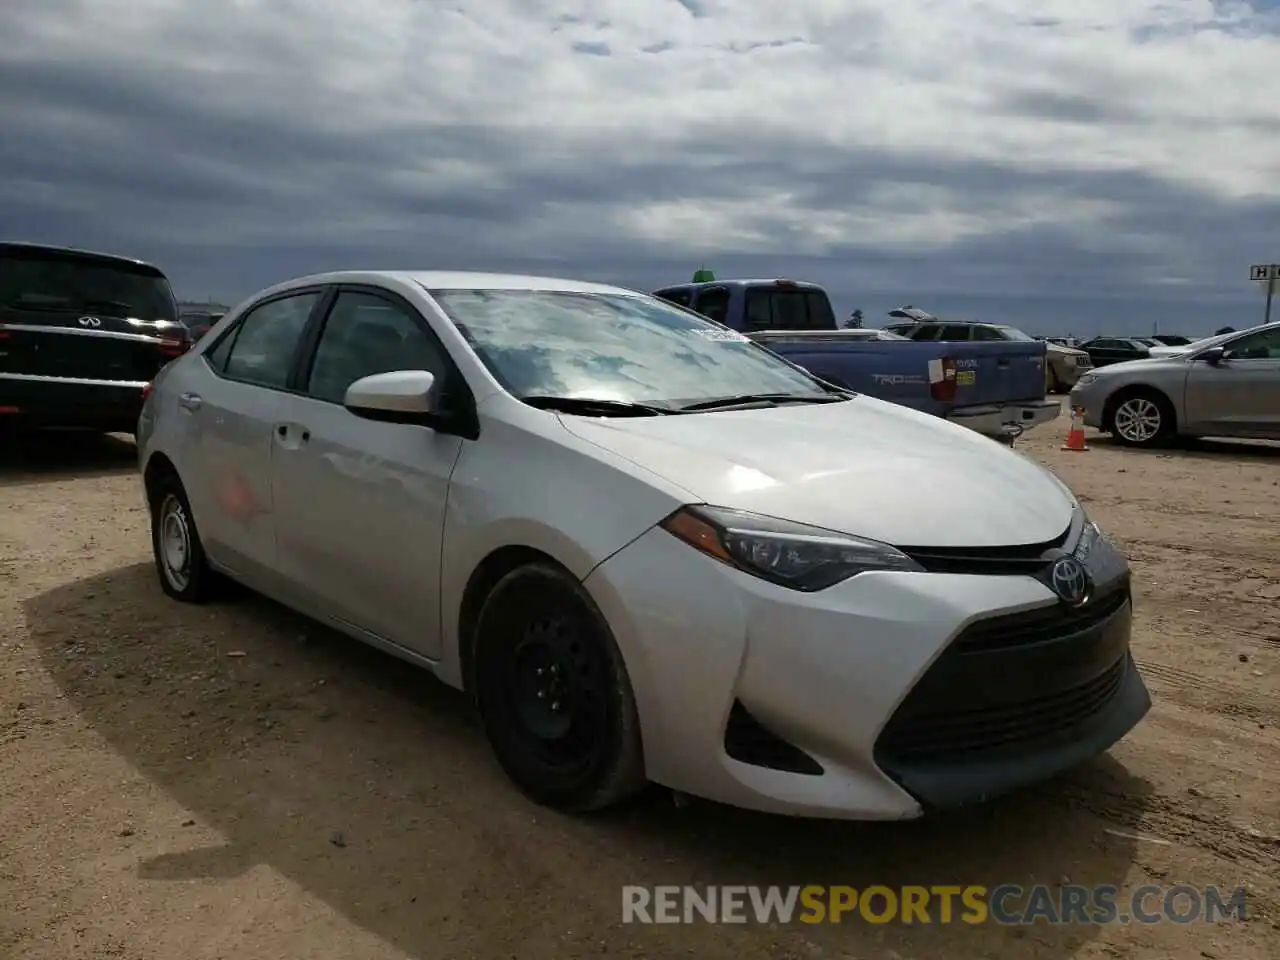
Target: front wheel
(1142, 419)
(553, 693)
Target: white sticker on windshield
(723, 336)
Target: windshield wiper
(597, 408)
(748, 399)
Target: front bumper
(903, 691)
(43, 401)
(1091, 398)
(1006, 420)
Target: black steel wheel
(553, 692)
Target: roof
(743, 282)
(73, 253)
(460, 280)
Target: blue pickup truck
(996, 388)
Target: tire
(553, 693)
(1141, 418)
(181, 564)
(1052, 384)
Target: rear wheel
(553, 692)
(181, 564)
(1142, 418)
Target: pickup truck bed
(996, 388)
(995, 382)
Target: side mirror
(1213, 356)
(401, 396)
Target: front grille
(747, 741)
(948, 733)
(1042, 625)
(1023, 559)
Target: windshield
(1013, 333)
(43, 283)
(619, 347)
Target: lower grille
(947, 733)
(747, 741)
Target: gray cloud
(216, 177)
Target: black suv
(81, 336)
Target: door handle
(1002, 361)
(282, 431)
(190, 401)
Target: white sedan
(649, 548)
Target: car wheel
(180, 560)
(553, 693)
(1051, 382)
(1142, 419)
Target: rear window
(773, 308)
(35, 282)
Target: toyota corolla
(650, 549)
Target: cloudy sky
(1101, 164)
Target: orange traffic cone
(1075, 436)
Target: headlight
(1090, 535)
(1086, 379)
(790, 554)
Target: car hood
(1131, 366)
(863, 467)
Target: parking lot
(233, 781)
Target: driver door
(360, 504)
(1239, 396)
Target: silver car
(1225, 386)
(648, 547)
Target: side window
(1263, 345)
(759, 306)
(364, 335)
(681, 298)
(821, 315)
(987, 333)
(924, 331)
(956, 332)
(217, 357)
(714, 304)
(267, 339)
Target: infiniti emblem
(89, 322)
(1070, 581)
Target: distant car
(1226, 386)
(1063, 365)
(646, 546)
(81, 336)
(1108, 350)
(198, 324)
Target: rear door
(75, 316)
(231, 399)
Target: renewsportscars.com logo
(1009, 904)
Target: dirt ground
(235, 782)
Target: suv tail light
(174, 347)
(4, 334)
(942, 379)
(146, 392)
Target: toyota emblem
(1070, 581)
(89, 322)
